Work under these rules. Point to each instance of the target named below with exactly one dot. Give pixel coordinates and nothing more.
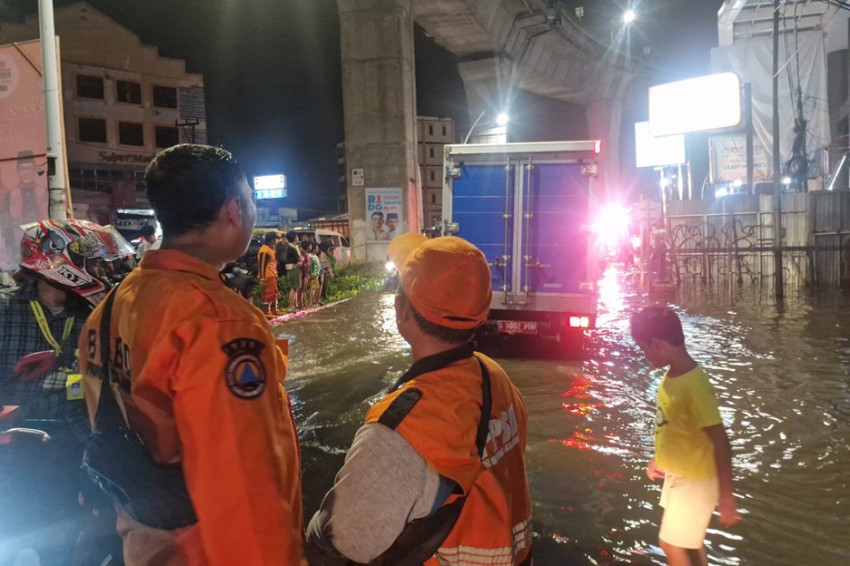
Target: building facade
(431, 135)
(122, 103)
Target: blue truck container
(527, 206)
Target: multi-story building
(122, 103)
(432, 135)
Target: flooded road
(782, 375)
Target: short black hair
(442, 333)
(392, 215)
(657, 322)
(291, 236)
(148, 230)
(379, 213)
(188, 184)
(270, 237)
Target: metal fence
(730, 241)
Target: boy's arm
(723, 460)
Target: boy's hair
(270, 237)
(291, 236)
(445, 334)
(148, 230)
(188, 184)
(657, 322)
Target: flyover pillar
(603, 123)
(379, 107)
(487, 83)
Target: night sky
(273, 87)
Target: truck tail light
(579, 322)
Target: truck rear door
(483, 205)
(553, 233)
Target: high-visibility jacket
(201, 379)
(494, 526)
(266, 264)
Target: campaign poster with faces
(383, 214)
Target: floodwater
(782, 375)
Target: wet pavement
(782, 375)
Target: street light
(629, 16)
(501, 120)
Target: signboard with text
(270, 186)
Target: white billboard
(264, 182)
(657, 152)
(710, 102)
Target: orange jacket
(266, 264)
(495, 524)
(202, 383)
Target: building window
(430, 130)
(166, 136)
(164, 96)
(432, 176)
(130, 133)
(92, 130)
(444, 131)
(89, 86)
(433, 198)
(430, 152)
(128, 92)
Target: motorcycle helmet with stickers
(80, 256)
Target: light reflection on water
(782, 376)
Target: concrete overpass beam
(379, 108)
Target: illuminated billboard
(270, 186)
(657, 152)
(710, 102)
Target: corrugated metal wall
(731, 239)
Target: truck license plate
(516, 326)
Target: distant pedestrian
(692, 453)
(291, 261)
(315, 273)
(267, 274)
(149, 241)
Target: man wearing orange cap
(436, 475)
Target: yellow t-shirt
(686, 405)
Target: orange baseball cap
(446, 279)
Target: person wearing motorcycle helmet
(67, 267)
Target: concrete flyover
(502, 44)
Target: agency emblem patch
(245, 374)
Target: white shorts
(688, 505)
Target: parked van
(342, 250)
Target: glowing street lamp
(502, 119)
(629, 16)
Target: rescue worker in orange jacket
(267, 273)
(437, 473)
(200, 376)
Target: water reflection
(782, 375)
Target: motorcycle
(52, 515)
(391, 280)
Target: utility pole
(779, 279)
(58, 207)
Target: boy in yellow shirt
(692, 453)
